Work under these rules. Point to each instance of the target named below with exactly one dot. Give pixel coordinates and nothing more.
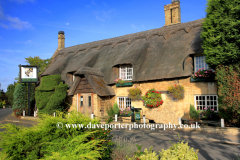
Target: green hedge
(51, 94)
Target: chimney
(172, 13)
(61, 40)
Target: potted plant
(135, 93)
(177, 91)
(152, 98)
(120, 82)
(203, 76)
(208, 114)
(126, 112)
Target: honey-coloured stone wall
(170, 110)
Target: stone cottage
(156, 58)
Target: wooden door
(86, 103)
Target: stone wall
(170, 110)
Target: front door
(86, 103)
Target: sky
(30, 27)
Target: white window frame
(128, 75)
(206, 102)
(126, 101)
(200, 60)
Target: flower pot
(202, 79)
(126, 115)
(124, 84)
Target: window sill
(125, 84)
(212, 79)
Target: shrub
(123, 148)
(179, 151)
(208, 113)
(116, 109)
(46, 141)
(152, 98)
(2, 103)
(135, 93)
(51, 94)
(20, 100)
(146, 155)
(110, 111)
(193, 113)
(176, 91)
(228, 79)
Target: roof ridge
(187, 26)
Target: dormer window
(200, 63)
(126, 72)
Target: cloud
(13, 22)
(104, 15)
(22, 1)
(67, 24)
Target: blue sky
(30, 27)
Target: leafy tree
(221, 44)
(221, 32)
(37, 61)
(9, 93)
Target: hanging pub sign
(28, 74)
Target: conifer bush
(20, 99)
(48, 141)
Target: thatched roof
(95, 78)
(154, 54)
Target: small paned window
(126, 72)
(124, 102)
(202, 102)
(200, 63)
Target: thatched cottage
(156, 58)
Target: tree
(221, 32)
(36, 61)
(9, 93)
(20, 99)
(221, 45)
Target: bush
(110, 111)
(193, 113)
(179, 151)
(228, 79)
(208, 114)
(20, 100)
(51, 94)
(146, 155)
(46, 141)
(125, 111)
(116, 109)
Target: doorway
(86, 103)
